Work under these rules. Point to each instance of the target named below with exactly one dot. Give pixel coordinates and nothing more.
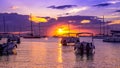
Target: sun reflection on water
(60, 54)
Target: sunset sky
(55, 8)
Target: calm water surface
(48, 53)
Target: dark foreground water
(48, 53)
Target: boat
(84, 47)
(66, 41)
(29, 37)
(11, 37)
(7, 48)
(7, 44)
(114, 38)
(69, 40)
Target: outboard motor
(88, 48)
(81, 48)
(64, 42)
(18, 40)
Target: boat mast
(69, 28)
(31, 24)
(4, 24)
(39, 29)
(107, 29)
(100, 28)
(103, 26)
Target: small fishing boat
(84, 47)
(7, 44)
(66, 41)
(11, 37)
(7, 48)
(69, 40)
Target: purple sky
(54, 8)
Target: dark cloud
(67, 13)
(117, 11)
(64, 14)
(62, 6)
(102, 5)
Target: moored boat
(7, 48)
(69, 40)
(66, 41)
(114, 38)
(8, 43)
(84, 47)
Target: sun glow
(61, 29)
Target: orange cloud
(85, 21)
(110, 16)
(14, 7)
(114, 22)
(38, 19)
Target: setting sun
(60, 31)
